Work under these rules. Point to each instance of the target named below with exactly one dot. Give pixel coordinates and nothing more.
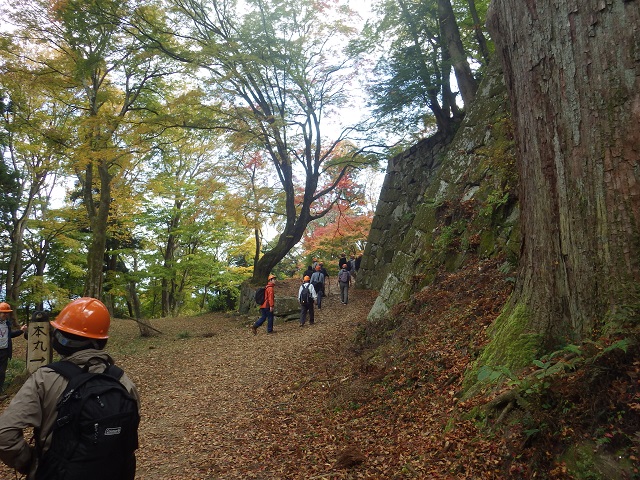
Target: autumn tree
(572, 73)
(31, 127)
(277, 75)
(191, 230)
(344, 228)
(92, 60)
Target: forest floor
(322, 402)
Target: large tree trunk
(98, 214)
(573, 73)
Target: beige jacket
(35, 406)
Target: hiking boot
(254, 329)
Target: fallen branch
(142, 323)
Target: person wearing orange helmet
(266, 309)
(80, 334)
(6, 345)
(306, 297)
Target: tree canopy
(186, 132)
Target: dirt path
(221, 403)
(204, 403)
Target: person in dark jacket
(317, 279)
(308, 272)
(342, 261)
(6, 334)
(358, 261)
(344, 281)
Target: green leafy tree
(275, 74)
(420, 45)
(31, 126)
(191, 228)
(92, 61)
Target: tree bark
(98, 214)
(573, 73)
(477, 28)
(452, 42)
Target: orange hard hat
(5, 307)
(306, 278)
(86, 317)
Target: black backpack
(259, 295)
(305, 296)
(96, 431)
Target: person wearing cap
(266, 309)
(80, 334)
(306, 306)
(344, 280)
(6, 345)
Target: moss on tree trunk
(573, 74)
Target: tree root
(505, 403)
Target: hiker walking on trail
(344, 280)
(318, 280)
(266, 309)
(6, 334)
(351, 266)
(99, 436)
(325, 291)
(306, 297)
(342, 261)
(308, 272)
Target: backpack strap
(70, 370)
(65, 368)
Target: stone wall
(407, 178)
(446, 192)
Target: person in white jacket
(306, 297)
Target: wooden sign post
(39, 350)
